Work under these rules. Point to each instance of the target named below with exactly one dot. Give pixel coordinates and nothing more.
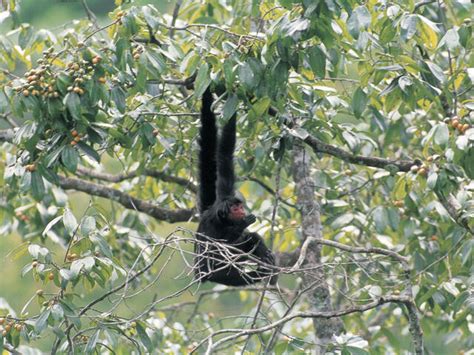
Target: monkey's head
(231, 209)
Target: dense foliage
(112, 111)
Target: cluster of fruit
(40, 81)
(9, 324)
(458, 125)
(81, 71)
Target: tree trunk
(309, 207)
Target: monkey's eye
(236, 208)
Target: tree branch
(130, 175)
(423, 3)
(175, 16)
(321, 147)
(161, 214)
(371, 250)
(319, 296)
(454, 210)
(317, 315)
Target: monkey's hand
(250, 219)
(268, 257)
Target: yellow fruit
(398, 203)
(414, 168)
(423, 171)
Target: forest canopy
(355, 150)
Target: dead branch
(130, 175)
(160, 213)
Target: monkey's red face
(237, 212)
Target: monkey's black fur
(216, 198)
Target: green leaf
(51, 224)
(88, 150)
(408, 27)
(48, 174)
(317, 61)
(73, 103)
(53, 156)
(359, 102)
(92, 342)
(356, 351)
(229, 74)
(404, 83)
(467, 162)
(246, 75)
(88, 225)
(36, 251)
(381, 219)
(436, 71)
(42, 321)
(431, 181)
(70, 158)
(117, 95)
(154, 63)
(70, 222)
(359, 20)
(441, 135)
(144, 338)
(146, 131)
(97, 239)
(428, 32)
(230, 106)
(202, 80)
(451, 40)
(261, 106)
(25, 182)
(37, 185)
(57, 312)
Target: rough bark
(309, 207)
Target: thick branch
(310, 209)
(146, 172)
(126, 200)
(321, 147)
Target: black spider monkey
(223, 217)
